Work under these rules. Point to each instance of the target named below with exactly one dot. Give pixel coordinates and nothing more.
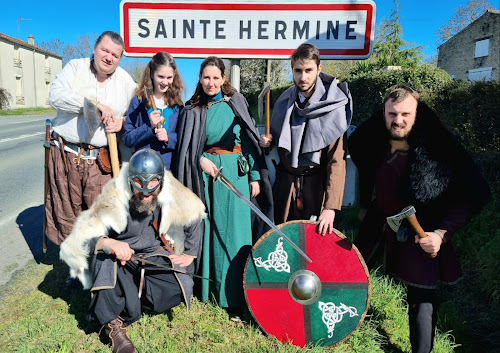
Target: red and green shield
(296, 301)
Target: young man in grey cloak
(143, 213)
(308, 125)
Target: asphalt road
(21, 192)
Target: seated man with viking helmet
(140, 214)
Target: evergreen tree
(390, 49)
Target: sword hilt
(216, 176)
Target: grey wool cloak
(304, 132)
(191, 133)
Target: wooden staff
(268, 100)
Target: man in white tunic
(75, 176)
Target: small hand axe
(409, 214)
(92, 116)
(151, 100)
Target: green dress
(228, 235)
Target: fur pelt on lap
(179, 208)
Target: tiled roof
(26, 44)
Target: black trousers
(161, 291)
(422, 312)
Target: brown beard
(395, 137)
(143, 207)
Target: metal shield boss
(322, 302)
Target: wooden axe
(265, 94)
(151, 100)
(92, 116)
(409, 214)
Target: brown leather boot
(117, 333)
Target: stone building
(26, 72)
(474, 52)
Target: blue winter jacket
(139, 134)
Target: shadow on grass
(54, 284)
(379, 315)
(471, 314)
(30, 222)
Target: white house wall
(36, 71)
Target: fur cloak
(179, 208)
(441, 181)
(440, 168)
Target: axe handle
(268, 110)
(153, 105)
(267, 150)
(420, 232)
(46, 185)
(113, 153)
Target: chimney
(31, 40)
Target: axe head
(92, 116)
(262, 94)
(395, 221)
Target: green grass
(40, 314)
(27, 111)
(472, 308)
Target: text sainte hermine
(216, 29)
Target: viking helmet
(146, 165)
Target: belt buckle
(86, 152)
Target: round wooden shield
(296, 301)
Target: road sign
(248, 29)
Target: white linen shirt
(75, 82)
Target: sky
(47, 20)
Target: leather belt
(83, 150)
(80, 149)
(224, 149)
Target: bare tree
(134, 66)
(82, 48)
(54, 45)
(463, 15)
(339, 68)
(253, 74)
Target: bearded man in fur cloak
(405, 156)
(143, 213)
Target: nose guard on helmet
(145, 183)
(145, 165)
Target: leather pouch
(243, 165)
(103, 160)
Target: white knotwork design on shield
(333, 314)
(278, 259)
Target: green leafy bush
(470, 111)
(368, 88)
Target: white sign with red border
(247, 29)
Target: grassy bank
(27, 111)
(40, 314)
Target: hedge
(468, 109)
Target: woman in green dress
(217, 130)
